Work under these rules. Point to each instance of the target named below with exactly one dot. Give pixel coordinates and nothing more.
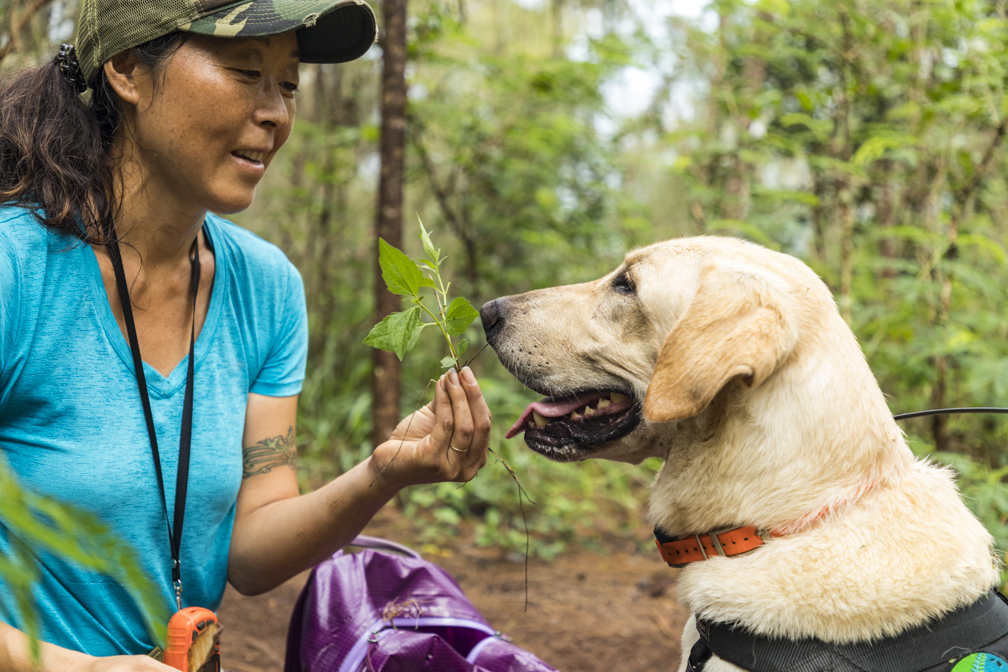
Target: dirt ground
(587, 611)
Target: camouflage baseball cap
(328, 31)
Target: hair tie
(68, 65)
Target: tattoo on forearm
(268, 453)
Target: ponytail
(55, 147)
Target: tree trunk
(386, 376)
(556, 11)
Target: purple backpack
(378, 611)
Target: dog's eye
(623, 284)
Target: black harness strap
(698, 657)
(942, 641)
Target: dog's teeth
(603, 402)
(540, 421)
(617, 397)
(574, 416)
(589, 411)
(531, 424)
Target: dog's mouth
(563, 428)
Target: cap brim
(328, 31)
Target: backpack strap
(959, 632)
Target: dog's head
(655, 341)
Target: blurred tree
(386, 374)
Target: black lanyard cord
(185, 434)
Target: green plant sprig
(400, 331)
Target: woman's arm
(15, 656)
(278, 534)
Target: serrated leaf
(397, 333)
(428, 246)
(447, 362)
(401, 274)
(462, 347)
(459, 316)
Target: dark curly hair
(55, 146)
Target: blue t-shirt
(72, 425)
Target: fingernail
(468, 376)
(452, 377)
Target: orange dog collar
(726, 543)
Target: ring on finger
(458, 450)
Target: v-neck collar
(157, 384)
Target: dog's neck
(872, 540)
(784, 455)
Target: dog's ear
(734, 327)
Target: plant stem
(440, 326)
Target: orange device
(193, 641)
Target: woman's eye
(251, 74)
(290, 86)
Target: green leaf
(428, 246)
(429, 264)
(873, 148)
(426, 282)
(448, 362)
(462, 347)
(397, 333)
(401, 274)
(459, 316)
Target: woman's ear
(121, 71)
(734, 327)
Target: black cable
(942, 411)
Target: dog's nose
(491, 315)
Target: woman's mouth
(250, 156)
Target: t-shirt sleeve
(10, 306)
(283, 372)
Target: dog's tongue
(552, 408)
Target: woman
(105, 238)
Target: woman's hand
(446, 440)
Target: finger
(444, 421)
(480, 414)
(462, 438)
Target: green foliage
(867, 139)
(399, 331)
(847, 134)
(864, 138)
(37, 524)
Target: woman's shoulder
(20, 228)
(25, 241)
(247, 251)
(260, 276)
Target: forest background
(545, 138)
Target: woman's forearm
(284, 538)
(446, 440)
(15, 654)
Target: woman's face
(208, 124)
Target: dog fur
(759, 400)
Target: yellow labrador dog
(732, 364)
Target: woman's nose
(273, 108)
